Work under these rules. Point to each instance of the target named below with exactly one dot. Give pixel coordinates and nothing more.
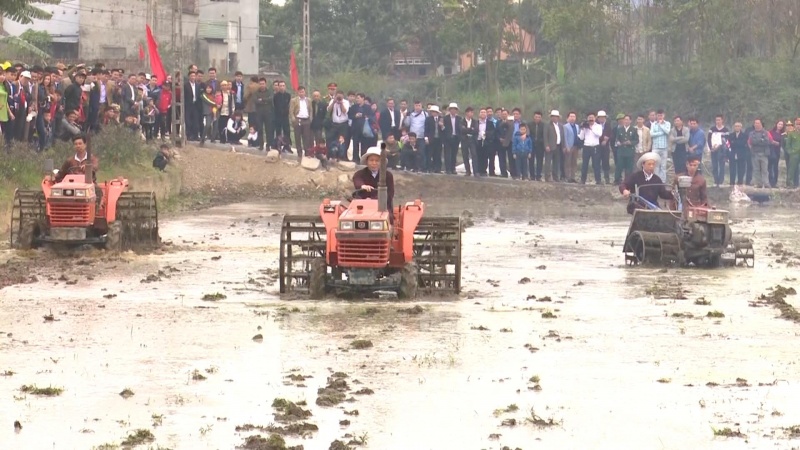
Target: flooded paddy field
(554, 343)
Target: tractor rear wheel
(114, 237)
(27, 232)
(317, 279)
(408, 281)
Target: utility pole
(307, 43)
(177, 131)
(149, 21)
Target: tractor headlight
(377, 225)
(690, 215)
(80, 192)
(346, 225)
(718, 217)
(56, 193)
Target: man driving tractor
(650, 186)
(696, 193)
(366, 180)
(77, 164)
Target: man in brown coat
(249, 97)
(553, 147)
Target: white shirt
(591, 136)
(102, 92)
(481, 130)
(194, 92)
(340, 111)
(648, 177)
(302, 113)
(391, 114)
(453, 121)
(468, 122)
(557, 126)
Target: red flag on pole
(155, 59)
(141, 52)
(293, 72)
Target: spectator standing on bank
(759, 149)
(717, 135)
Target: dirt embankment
(223, 177)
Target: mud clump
(541, 422)
(289, 411)
(139, 437)
(302, 429)
(339, 445)
(776, 297)
(549, 315)
(49, 391)
(126, 393)
(665, 288)
(364, 391)
(702, 302)
(274, 442)
(258, 338)
(215, 297)
(332, 394)
(414, 311)
(479, 328)
(727, 432)
(793, 431)
(361, 344)
(715, 314)
(524, 280)
(197, 376)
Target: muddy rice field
(554, 343)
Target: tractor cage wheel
(303, 241)
(28, 205)
(138, 214)
(437, 254)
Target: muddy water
(439, 376)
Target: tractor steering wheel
(358, 194)
(75, 169)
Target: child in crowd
(337, 150)
(522, 148)
(320, 151)
(403, 136)
(149, 119)
(252, 138)
(162, 157)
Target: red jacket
(319, 150)
(164, 101)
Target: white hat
(371, 151)
(453, 105)
(601, 113)
(25, 74)
(649, 156)
(434, 108)
(555, 113)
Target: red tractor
(354, 248)
(69, 213)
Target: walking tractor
(692, 235)
(355, 249)
(69, 213)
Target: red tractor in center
(354, 248)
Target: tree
(38, 39)
(24, 11)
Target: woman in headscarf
(649, 185)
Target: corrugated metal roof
(212, 30)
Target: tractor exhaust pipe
(89, 175)
(382, 193)
(684, 183)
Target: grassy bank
(120, 153)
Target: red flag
(141, 52)
(293, 72)
(155, 59)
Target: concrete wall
(242, 40)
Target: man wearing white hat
(366, 180)
(452, 137)
(434, 133)
(553, 147)
(649, 185)
(24, 101)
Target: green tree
(38, 39)
(25, 11)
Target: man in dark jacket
(281, 100)
(320, 107)
(366, 180)
(389, 121)
(263, 115)
(484, 138)
(645, 183)
(434, 129)
(451, 134)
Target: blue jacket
(698, 138)
(570, 135)
(520, 146)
